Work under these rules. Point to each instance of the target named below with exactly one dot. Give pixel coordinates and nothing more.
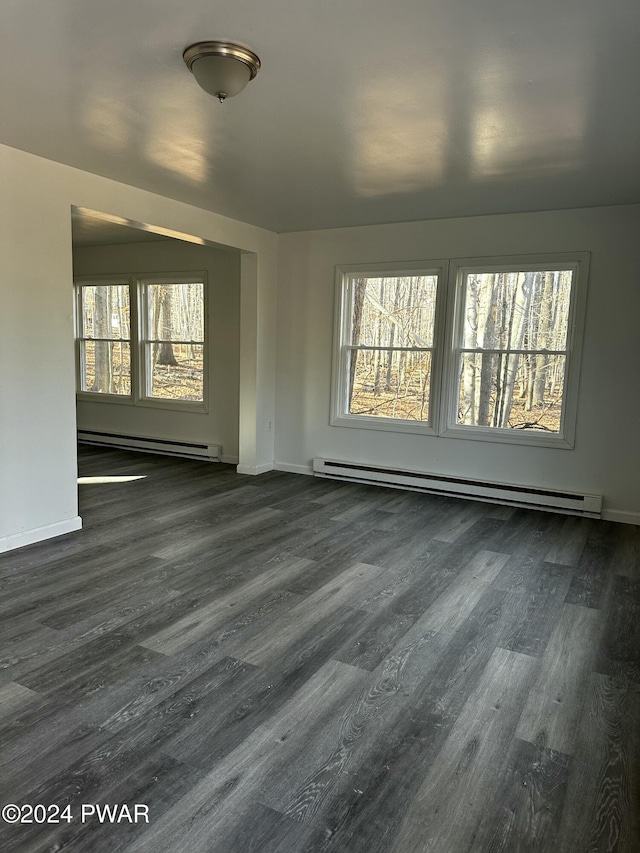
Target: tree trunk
(164, 349)
(103, 378)
(359, 287)
(468, 403)
(542, 360)
(392, 337)
(487, 324)
(517, 325)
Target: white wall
(605, 458)
(220, 424)
(38, 493)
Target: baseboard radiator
(186, 449)
(549, 500)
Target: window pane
(517, 310)
(177, 371)
(105, 311)
(393, 311)
(106, 367)
(515, 392)
(389, 384)
(176, 312)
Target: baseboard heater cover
(185, 449)
(550, 500)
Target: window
(173, 340)
(386, 362)
(142, 341)
(480, 348)
(105, 339)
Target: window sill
(527, 438)
(168, 405)
(195, 408)
(530, 438)
(96, 397)
(383, 424)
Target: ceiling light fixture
(221, 68)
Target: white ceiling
(364, 111)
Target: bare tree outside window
(391, 344)
(513, 349)
(174, 346)
(105, 341)
(475, 348)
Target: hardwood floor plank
(222, 793)
(239, 628)
(626, 559)
(591, 576)
(528, 573)
(104, 613)
(399, 585)
(504, 513)
(529, 534)
(411, 549)
(260, 829)
(344, 744)
(535, 607)
(56, 741)
(620, 651)
(158, 782)
(569, 546)
(138, 695)
(375, 639)
(371, 499)
(460, 521)
(195, 705)
(205, 506)
(88, 668)
(601, 811)
(446, 812)
(449, 610)
(368, 803)
(206, 535)
(288, 664)
(103, 758)
(466, 656)
(554, 706)
(13, 698)
(339, 543)
(23, 650)
(265, 694)
(525, 814)
(312, 610)
(203, 620)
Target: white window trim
(443, 399)
(136, 284)
(142, 377)
(342, 321)
(87, 281)
(458, 267)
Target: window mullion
(482, 350)
(388, 348)
(135, 343)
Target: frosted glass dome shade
(221, 68)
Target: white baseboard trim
(293, 469)
(621, 516)
(39, 534)
(230, 460)
(254, 470)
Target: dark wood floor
(289, 664)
